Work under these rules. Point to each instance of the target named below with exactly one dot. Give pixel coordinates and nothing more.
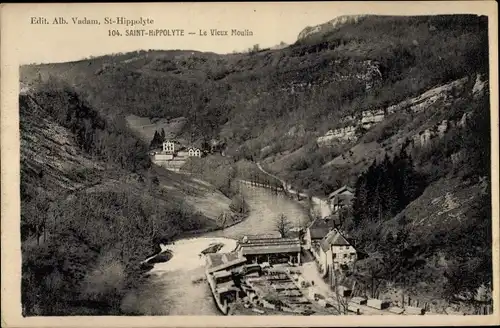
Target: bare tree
(283, 225)
(337, 284)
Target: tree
(158, 139)
(283, 225)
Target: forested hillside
(397, 107)
(92, 207)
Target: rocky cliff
(329, 26)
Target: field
(146, 127)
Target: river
(177, 287)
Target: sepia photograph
(340, 168)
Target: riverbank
(176, 287)
(160, 256)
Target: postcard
(249, 164)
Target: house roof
(221, 261)
(341, 190)
(254, 245)
(333, 238)
(320, 227)
(221, 274)
(344, 198)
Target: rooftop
(221, 261)
(268, 245)
(333, 238)
(341, 190)
(320, 227)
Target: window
(345, 255)
(334, 255)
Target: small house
(340, 198)
(377, 304)
(335, 251)
(194, 152)
(169, 147)
(318, 229)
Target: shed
(377, 304)
(396, 310)
(358, 300)
(413, 310)
(265, 249)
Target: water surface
(177, 287)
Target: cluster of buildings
(322, 238)
(173, 155)
(251, 255)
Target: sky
(269, 23)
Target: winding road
(321, 206)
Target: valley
(394, 108)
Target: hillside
(271, 103)
(85, 207)
(376, 102)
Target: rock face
(51, 151)
(330, 25)
(369, 118)
(372, 117)
(367, 72)
(345, 134)
(479, 86)
(426, 99)
(423, 138)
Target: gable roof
(269, 245)
(333, 238)
(221, 261)
(341, 190)
(320, 227)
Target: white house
(169, 146)
(194, 152)
(335, 250)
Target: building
(194, 152)
(340, 198)
(335, 250)
(169, 147)
(223, 261)
(259, 249)
(218, 271)
(163, 157)
(318, 229)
